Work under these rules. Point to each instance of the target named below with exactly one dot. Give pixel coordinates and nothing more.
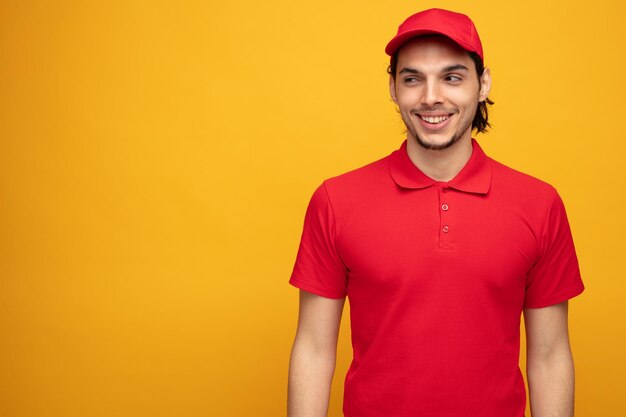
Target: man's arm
(313, 355)
(549, 363)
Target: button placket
(446, 235)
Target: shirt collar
(474, 177)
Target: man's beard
(434, 146)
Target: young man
(440, 249)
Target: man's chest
(433, 239)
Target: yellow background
(156, 159)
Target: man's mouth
(434, 119)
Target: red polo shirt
(437, 275)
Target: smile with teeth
(434, 120)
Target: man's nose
(432, 94)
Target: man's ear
(392, 90)
(485, 85)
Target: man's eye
(453, 78)
(410, 79)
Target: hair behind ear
(481, 119)
(392, 90)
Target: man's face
(437, 91)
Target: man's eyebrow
(449, 68)
(455, 68)
(408, 70)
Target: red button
(444, 207)
(445, 229)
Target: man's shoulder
(520, 183)
(365, 177)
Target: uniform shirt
(437, 275)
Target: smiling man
(439, 249)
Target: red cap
(455, 26)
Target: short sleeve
(555, 277)
(318, 268)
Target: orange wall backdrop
(156, 159)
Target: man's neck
(441, 165)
